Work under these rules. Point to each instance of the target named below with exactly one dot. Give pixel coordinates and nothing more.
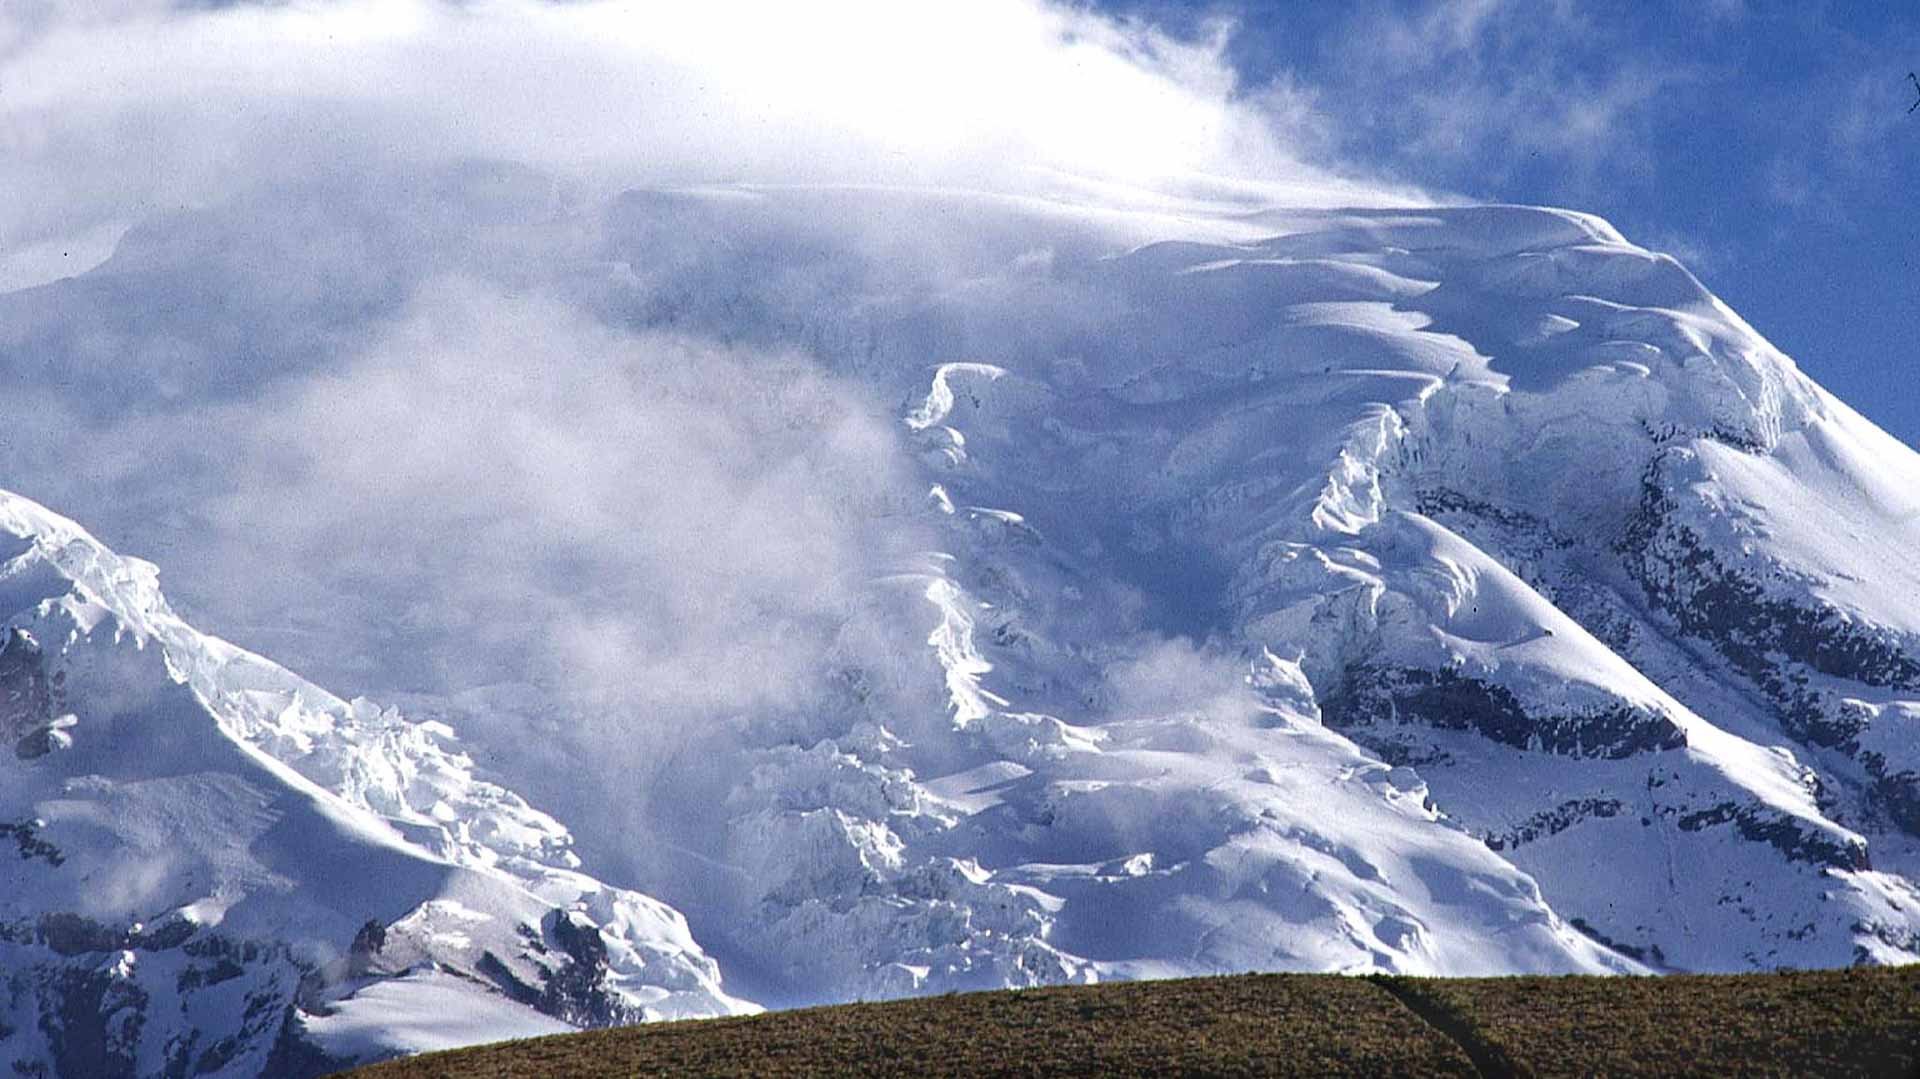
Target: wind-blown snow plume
(300, 181)
(215, 101)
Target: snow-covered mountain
(224, 870)
(1489, 524)
(1438, 590)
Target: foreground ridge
(1864, 1022)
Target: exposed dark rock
(1536, 535)
(1683, 577)
(95, 1004)
(367, 943)
(294, 1057)
(1449, 700)
(75, 934)
(574, 990)
(214, 945)
(576, 993)
(1796, 839)
(169, 934)
(1743, 441)
(25, 835)
(92, 1021)
(217, 1056)
(1553, 821)
(1398, 750)
(1777, 645)
(1898, 796)
(197, 977)
(26, 695)
(1651, 952)
(516, 990)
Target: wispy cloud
(1471, 91)
(111, 114)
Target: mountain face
(223, 870)
(1456, 590)
(1488, 524)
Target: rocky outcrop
(1754, 628)
(573, 962)
(1800, 655)
(1791, 836)
(1549, 822)
(26, 838)
(1376, 696)
(30, 700)
(85, 998)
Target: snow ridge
(126, 729)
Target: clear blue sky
(1766, 145)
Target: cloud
(1817, 114)
(521, 491)
(1475, 93)
(111, 115)
(607, 544)
(1558, 102)
(1174, 677)
(285, 189)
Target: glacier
(1451, 589)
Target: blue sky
(1766, 145)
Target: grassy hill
(1825, 1023)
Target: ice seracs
(1429, 458)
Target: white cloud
(286, 177)
(108, 116)
(1467, 93)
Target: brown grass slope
(1828, 1023)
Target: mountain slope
(1424, 484)
(224, 870)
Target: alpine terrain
(1426, 589)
